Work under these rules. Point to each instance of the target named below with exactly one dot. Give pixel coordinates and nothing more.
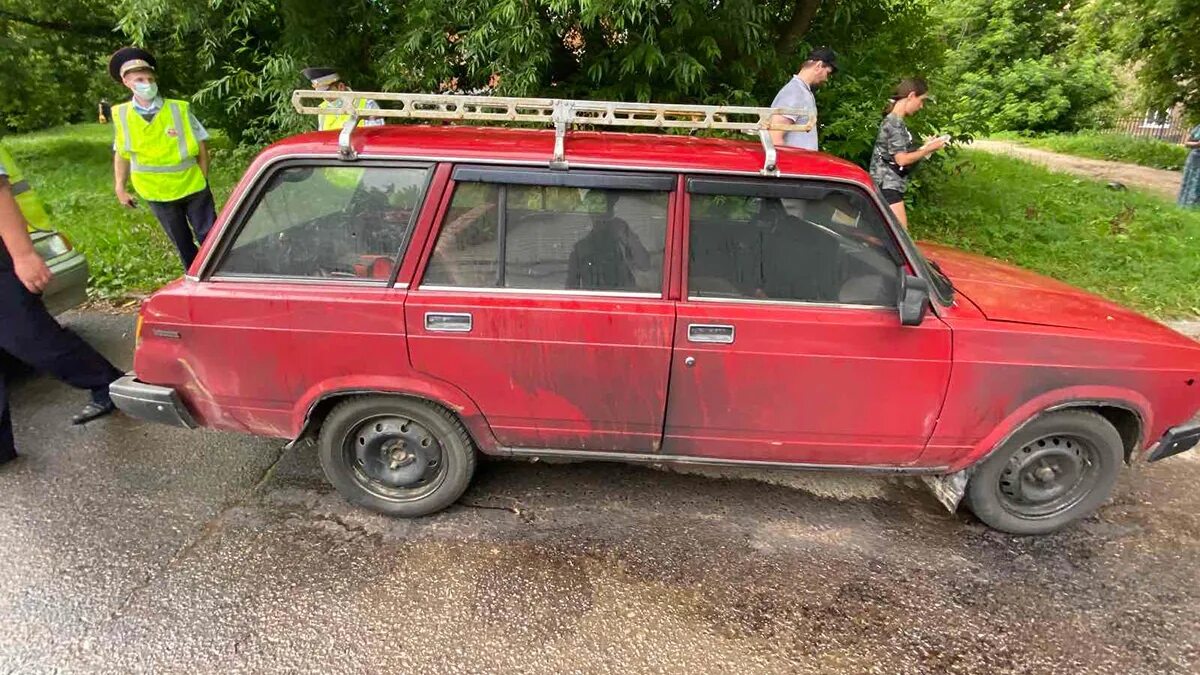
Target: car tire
(1053, 471)
(395, 455)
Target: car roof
(583, 148)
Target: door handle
(448, 322)
(710, 333)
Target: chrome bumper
(150, 402)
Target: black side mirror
(914, 300)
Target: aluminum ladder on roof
(559, 113)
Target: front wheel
(1052, 472)
(397, 456)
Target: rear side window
(813, 244)
(328, 222)
(545, 237)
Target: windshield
(942, 286)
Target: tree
(242, 57)
(1160, 39)
(1016, 65)
(52, 57)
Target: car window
(828, 247)
(551, 238)
(328, 222)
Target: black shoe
(93, 411)
(5, 459)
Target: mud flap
(949, 489)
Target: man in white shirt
(798, 93)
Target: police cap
(321, 77)
(126, 59)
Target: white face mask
(146, 90)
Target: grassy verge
(1113, 147)
(71, 168)
(1134, 248)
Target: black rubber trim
(1177, 439)
(612, 180)
(772, 188)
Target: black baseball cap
(824, 55)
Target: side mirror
(914, 300)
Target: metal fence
(1169, 128)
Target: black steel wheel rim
(395, 457)
(1049, 475)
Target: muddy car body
(657, 300)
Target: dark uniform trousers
(28, 333)
(199, 210)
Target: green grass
(1113, 147)
(71, 169)
(1132, 247)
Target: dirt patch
(1161, 182)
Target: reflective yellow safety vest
(331, 122)
(27, 200)
(162, 152)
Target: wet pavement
(127, 547)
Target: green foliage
(71, 168)
(733, 52)
(1128, 246)
(52, 56)
(1015, 65)
(1111, 146)
(1160, 38)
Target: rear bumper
(150, 402)
(1177, 439)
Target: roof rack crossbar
(559, 113)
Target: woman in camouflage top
(895, 154)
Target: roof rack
(561, 113)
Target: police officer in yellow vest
(160, 147)
(327, 79)
(27, 331)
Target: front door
(788, 346)
(543, 300)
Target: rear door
(788, 345)
(298, 295)
(543, 298)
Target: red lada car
(653, 298)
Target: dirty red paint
(801, 383)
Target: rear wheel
(397, 456)
(1054, 471)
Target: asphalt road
(127, 547)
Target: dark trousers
(196, 209)
(28, 333)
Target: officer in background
(28, 333)
(327, 79)
(160, 147)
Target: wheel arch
(1127, 411)
(311, 412)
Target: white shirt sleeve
(198, 129)
(372, 121)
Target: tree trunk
(797, 27)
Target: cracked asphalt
(127, 548)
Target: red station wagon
(412, 295)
